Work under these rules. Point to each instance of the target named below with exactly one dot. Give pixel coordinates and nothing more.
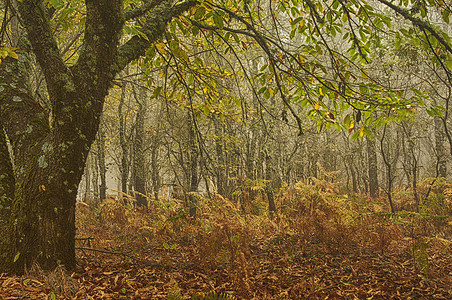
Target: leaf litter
(162, 253)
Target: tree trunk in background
(155, 141)
(87, 175)
(220, 153)
(95, 175)
(124, 166)
(269, 185)
(439, 148)
(386, 155)
(101, 163)
(155, 169)
(193, 154)
(354, 177)
(250, 160)
(372, 167)
(139, 160)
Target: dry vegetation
(321, 244)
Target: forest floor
(226, 254)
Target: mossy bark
(39, 181)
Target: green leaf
(52, 295)
(57, 4)
(430, 112)
(446, 15)
(195, 30)
(218, 20)
(448, 63)
(200, 12)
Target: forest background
(316, 115)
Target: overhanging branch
(154, 27)
(418, 23)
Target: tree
(372, 166)
(318, 61)
(49, 147)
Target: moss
(42, 163)
(47, 147)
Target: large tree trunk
(49, 151)
(49, 157)
(48, 163)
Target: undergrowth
(225, 234)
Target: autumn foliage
(321, 243)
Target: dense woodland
(226, 149)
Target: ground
(224, 253)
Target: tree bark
(50, 151)
(124, 167)
(439, 147)
(139, 162)
(193, 154)
(101, 163)
(220, 167)
(372, 166)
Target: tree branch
(140, 11)
(43, 42)
(418, 23)
(104, 21)
(21, 116)
(153, 28)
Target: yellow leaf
(160, 47)
(301, 59)
(301, 24)
(321, 92)
(361, 132)
(364, 75)
(352, 125)
(317, 106)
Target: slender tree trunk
(155, 170)
(87, 175)
(101, 163)
(372, 167)
(139, 161)
(124, 167)
(193, 165)
(389, 175)
(439, 147)
(220, 153)
(269, 185)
